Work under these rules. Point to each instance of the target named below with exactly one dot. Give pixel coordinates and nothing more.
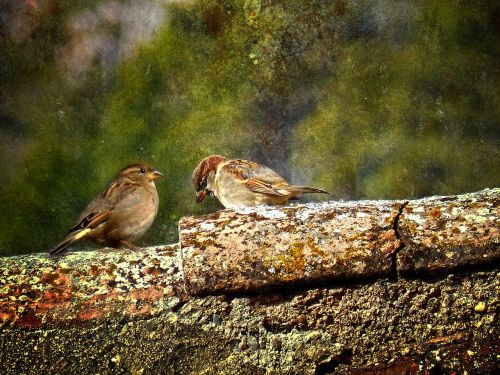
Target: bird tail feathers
(61, 247)
(307, 189)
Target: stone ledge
(39, 291)
(268, 248)
(441, 233)
(357, 287)
(382, 326)
(260, 248)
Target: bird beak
(154, 175)
(201, 195)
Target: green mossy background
(367, 99)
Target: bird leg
(130, 245)
(107, 249)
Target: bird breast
(133, 216)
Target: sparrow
(121, 214)
(243, 183)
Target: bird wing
(100, 209)
(92, 220)
(98, 212)
(256, 177)
(258, 186)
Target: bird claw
(131, 246)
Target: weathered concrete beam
(268, 247)
(39, 291)
(441, 325)
(448, 232)
(130, 312)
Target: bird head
(204, 175)
(140, 173)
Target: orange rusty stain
(389, 247)
(105, 296)
(427, 242)
(369, 236)
(58, 280)
(435, 213)
(94, 270)
(47, 278)
(389, 235)
(44, 307)
(32, 3)
(150, 294)
(133, 310)
(154, 271)
(62, 281)
(440, 339)
(56, 296)
(91, 313)
(314, 248)
(8, 314)
(62, 288)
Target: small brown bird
(243, 183)
(122, 213)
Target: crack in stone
(181, 255)
(394, 255)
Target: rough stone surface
(41, 291)
(261, 248)
(125, 312)
(385, 326)
(446, 232)
(268, 247)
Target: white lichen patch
(359, 267)
(475, 218)
(418, 208)
(190, 230)
(102, 290)
(204, 226)
(416, 218)
(303, 215)
(483, 211)
(263, 211)
(342, 217)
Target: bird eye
(142, 170)
(203, 184)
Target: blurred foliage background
(368, 99)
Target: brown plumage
(121, 214)
(243, 183)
